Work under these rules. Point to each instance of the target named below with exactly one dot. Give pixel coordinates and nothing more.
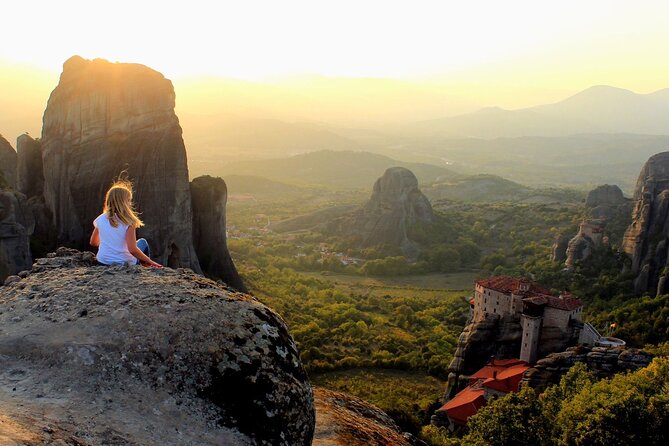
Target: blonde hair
(118, 205)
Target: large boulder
(209, 195)
(344, 420)
(579, 248)
(132, 355)
(607, 202)
(104, 118)
(395, 206)
(29, 172)
(606, 194)
(559, 248)
(606, 215)
(16, 226)
(7, 164)
(646, 240)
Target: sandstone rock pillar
(209, 196)
(7, 164)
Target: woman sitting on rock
(115, 230)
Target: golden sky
(591, 40)
(510, 53)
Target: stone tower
(531, 335)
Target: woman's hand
(131, 241)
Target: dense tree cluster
(338, 330)
(626, 409)
(341, 330)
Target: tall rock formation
(16, 227)
(606, 214)
(7, 164)
(647, 238)
(587, 239)
(128, 355)
(29, 171)
(603, 201)
(103, 118)
(209, 196)
(30, 182)
(396, 204)
(559, 248)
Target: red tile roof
(465, 404)
(509, 284)
(534, 294)
(496, 367)
(500, 375)
(568, 303)
(507, 380)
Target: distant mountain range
(230, 136)
(600, 135)
(599, 109)
(579, 160)
(340, 169)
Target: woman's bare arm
(131, 240)
(95, 237)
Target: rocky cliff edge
(130, 355)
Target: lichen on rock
(150, 356)
(603, 362)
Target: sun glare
(258, 39)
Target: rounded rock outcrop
(579, 248)
(346, 420)
(605, 195)
(209, 196)
(603, 362)
(395, 206)
(132, 355)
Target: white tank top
(113, 249)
